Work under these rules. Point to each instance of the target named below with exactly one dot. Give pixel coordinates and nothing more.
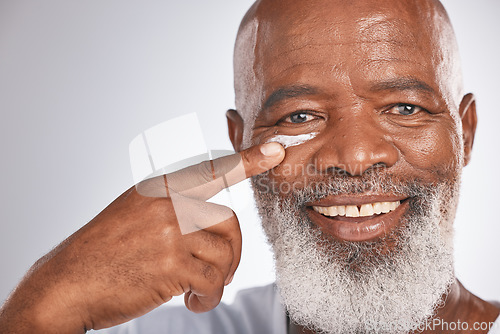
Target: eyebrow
(402, 84)
(288, 92)
(397, 84)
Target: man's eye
(298, 118)
(407, 109)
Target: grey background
(80, 79)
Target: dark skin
(352, 64)
(379, 85)
(134, 256)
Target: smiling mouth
(356, 219)
(364, 210)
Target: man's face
(371, 91)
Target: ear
(235, 128)
(469, 122)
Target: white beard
(361, 287)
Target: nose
(354, 145)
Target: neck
(460, 306)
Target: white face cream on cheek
(289, 141)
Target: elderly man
(366, 98)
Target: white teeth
(351, 211)
(332, 211)
(386, 207)
(364, 210)
(341, 210)
(377, 208)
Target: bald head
(369, 92)
(349, 40)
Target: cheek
(434, 148)
(300, 145)
(296, 170)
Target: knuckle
(233, 229)
(224, 248)
(227, 253)
(213, 276)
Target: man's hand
(157, 240)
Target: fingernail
(271, 149)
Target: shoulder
(254, 310)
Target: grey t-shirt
(254, 311)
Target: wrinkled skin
(133, 257)
(349, 72)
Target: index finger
(206, 179)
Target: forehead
(349, 44)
